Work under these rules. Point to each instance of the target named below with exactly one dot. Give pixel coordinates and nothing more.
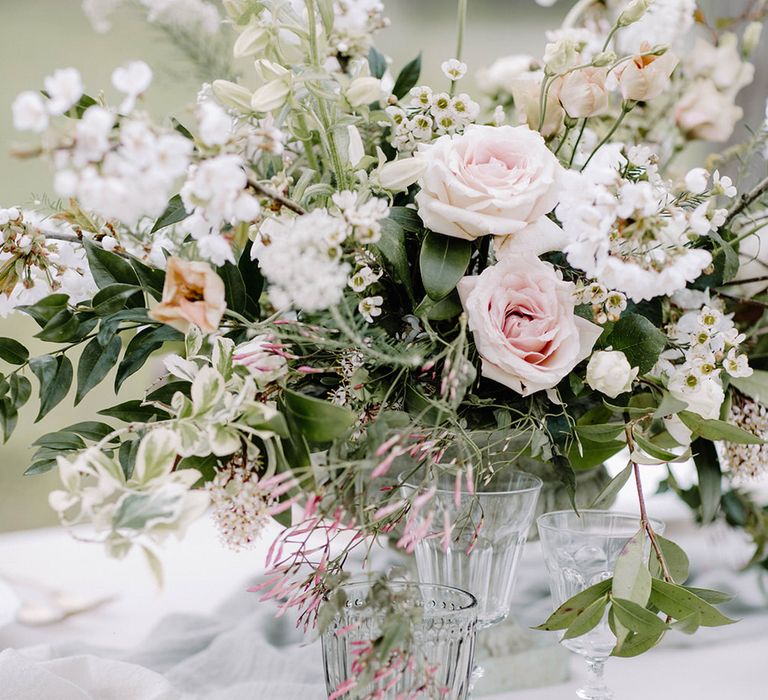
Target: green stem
(309, 150)
(461, 25)
(578, 141)
(564, 139)
(626, 108)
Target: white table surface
(201, 573)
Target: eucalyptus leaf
(676, 559)
(679, 602)
(631, 579)
(718, 429)
(709, 476)
(319, 421)
(563, 617)
(607, 496)
(587, 619)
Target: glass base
(595, 687)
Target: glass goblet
(443, 642)
(580, 550)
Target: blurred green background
(42, 35)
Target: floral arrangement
(353, 275)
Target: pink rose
(520, 312)
(705, 113)
(645, 77)
(489, 180)
(583, 92)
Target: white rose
(490, 180)
(705, 113)
(705, 399)
(363, 91)
(610, 373)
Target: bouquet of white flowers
(355, 276)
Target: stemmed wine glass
(580, 550)
(489, 527)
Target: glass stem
(595, 687)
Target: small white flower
(737, 365)
(696, 180)
(723, 184)
(64, 88)
(109, 243)
(499, 115)
(465, 108)
(370, 307)
(132, 80)
(421, 96)
(396, 114)
(441, 104)
(215, 124)
(453, 69)
(363, 278)
(595, 293)
(29, 113)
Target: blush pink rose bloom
(644, 77)
(521, 315)
(489, 180)
(583, 92)
(705, 113)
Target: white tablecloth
(201, 574)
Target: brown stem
(746, 199)
(644, 520)
(276, 196)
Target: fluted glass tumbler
(443, 642)
(580, 550)
(488, 530)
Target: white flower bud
(252, 41)
(270, 96)
(400, 174)
(363, 91)
(633, 12)
(355, 149)
(696, 180)
(232, 94)
(604, 58)
(560, 55)
(751, 37)
(609, 372)
(268, 70)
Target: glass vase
(442, 643)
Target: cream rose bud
(705, 113)
(526, 93)
(583, 92)
(609, 372)
(363, 91)
(645, 77)
(521, 314)
(399, 175)
(489, 180)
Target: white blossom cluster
(629, 231)
(667, 21)
(746, 462)
(31, 266)
(707, 346)
(355, 22)
(430, 114)
(606, 304)
(188, 14)
(303, 258)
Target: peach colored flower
(526, 93)
(645, 77)
(705, 113)
(193, 294)
(521, 314)
(583, 92)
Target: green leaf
(109, 325)
(710, 596)
(754, 386)
(20, 390)
(319, 421)
(94, 365)
(407, 78)
(9, 417)
(639, 340)
(140, 347)
(60, 440)
(391, 245)
(109, 268)
(730, 256)
(679, 602)
(605, 432)
(637, 618)
(156, 455)
(151, 279)
(587, 619)
(55, 377)
(63, 327)
(173, 213)
(407, 219)
(377, 63)
(113, 298)
(655, 451)
(709, 476)
(718, 429)
(253, 280)
(40, 467)
(134, 411)
(90, 430)
(234, 287)
(631, 579)
(676, 558)
(13, 351)
(443, 262)
(564, 616)
(447, 308)
(45, 309)
(607, 496)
